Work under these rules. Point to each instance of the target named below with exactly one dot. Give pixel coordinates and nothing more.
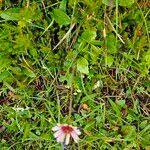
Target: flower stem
(64, 147)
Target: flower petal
(75, 136)
(67, 139)
(56, 128)
(61, 138)
(63, 132)
(58, 133)
(77, 131)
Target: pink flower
(64, 132)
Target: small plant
(85, 62)
(64, 132)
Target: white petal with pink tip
(64, 132)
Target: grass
(85, 63)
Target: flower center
(67, 129)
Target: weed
(79, 62)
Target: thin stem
(64, 147)
(58, 106)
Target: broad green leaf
(143, 124)
(16, 70)
(94, 53)
(115, 107)
(88, 35)
(68, 78)
(4, 75)
(120, 2)
(121, 103)
(29, 73)
(33, 52)
(147, 58)
(63, 5)
(71, 55)
(10, 14)
(96, 42)
(88, 97)
(4, 62)
(60, 17)
(129, 132)
(111, 47)
(26, 131)
(126, 2)
(45, 136)
(82, 65)
(109, 60)
(108, 2)
(22, 23)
